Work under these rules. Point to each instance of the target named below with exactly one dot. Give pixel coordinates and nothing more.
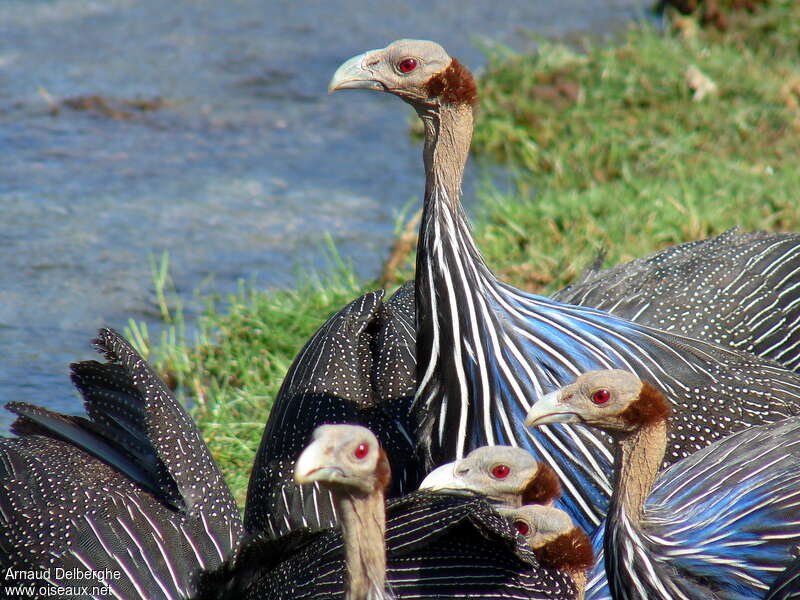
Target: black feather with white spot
(133, 488)
(357, 368)
(739, 289)
(438, 546)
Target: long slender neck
(448, 134)
(363, 521)
(451, 277)
(579, 577)
(636, 460)
(448, 268)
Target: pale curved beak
(311, 465)
(443, 479)
(352, 75)
(549, 410)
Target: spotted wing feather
(357, 368)
(132, 488)
(438, 546)
(739, 289)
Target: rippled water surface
(239, 174)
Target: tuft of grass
(608, 150)
(229, 374)
(617, 112)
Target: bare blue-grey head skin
(573, 403)
(348, 460)
(382, 70)
(332, 459)
(506, 475)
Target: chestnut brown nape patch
(454, 85)
(544, 487)
(571, 551)
(650, 407)
(383, 472)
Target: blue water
(240, 175)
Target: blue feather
(728, 515)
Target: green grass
(611, 150)
(231, 372)
(608, 150)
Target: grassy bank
(615, 148)
(611, 147)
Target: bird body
(738, 289)
(132, 490)
(719, 524)
(486, 351)
(357, 368)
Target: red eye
(522, 527)
(361, 450)
(500, 471)
(601, 396)
(407, 65)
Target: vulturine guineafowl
(486, 352)
(357, 368)
(554, 539)
(130, 495)
(720, 524)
